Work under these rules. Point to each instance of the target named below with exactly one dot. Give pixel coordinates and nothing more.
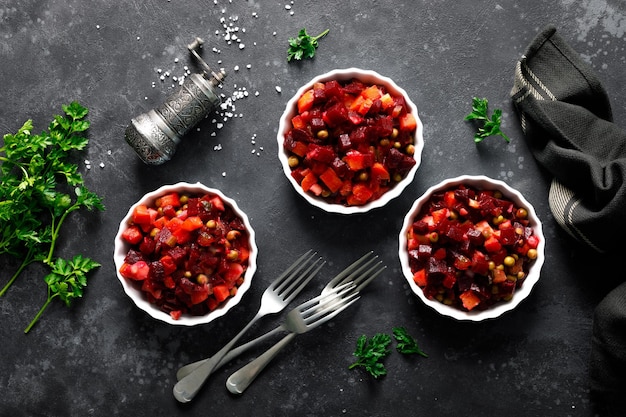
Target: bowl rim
(121, 248)
(368, 76)
(486, 183)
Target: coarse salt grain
(278, 89)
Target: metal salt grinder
(155, 134)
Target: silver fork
(275, 298)
(357, 272)
(301, 319)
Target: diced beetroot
(336, 115)
(302, 135)
(508, 236)
(333, 89)
(455, 240)
(319, 153)
(475, 237)
(344, 143)
(340, 167)
(317, 123)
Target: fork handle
(189, 368)
(187, 388)
(240, 380)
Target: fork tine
(363, 284)
(341, 278)
(329, 313)
(290, 273)
(313, 314)
(301, 281)
(321, 302)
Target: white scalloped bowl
(138, 297)
(369, 77)
(484, 183)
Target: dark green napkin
(568, 124)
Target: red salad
(188, 253)
(350, 142)
(470, 248)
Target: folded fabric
(566, 117)
(567, 121)
(608, 355)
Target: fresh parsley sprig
(40, 187)
(487, 126)
(371, 353)
(406, 343)
(303, 45)
(66, 281)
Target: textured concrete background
(104, 357)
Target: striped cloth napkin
(567, 121)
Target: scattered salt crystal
(224, 174)
(241, 46)
(278, 89)
(287, 7)
(249, 66)
(176, 60)
(97, 26)
(101, 164)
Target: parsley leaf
(39, 188)
(303, 45)
(406, 343)
(371, 353)
(487, 126)
(66, 281)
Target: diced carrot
(386, 101)
(420, 278)
(498, 275)
(372, 93)
(298, 122)
(221, 292)
(305, 102)
(331, 179)
(308, 181)
(469, 299)
(143, 216)
(300, 149)
(408, 122)
(192, 223)
(132, 235)
(217, 203)
(379, 172)
(171, 199)
(316, 189)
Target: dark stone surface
(104, 357)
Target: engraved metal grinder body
(154, 135)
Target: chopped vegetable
(39, 188)
(350, 142)
(188, 257)
(488, 126)
(470, 248)
(303, 45)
